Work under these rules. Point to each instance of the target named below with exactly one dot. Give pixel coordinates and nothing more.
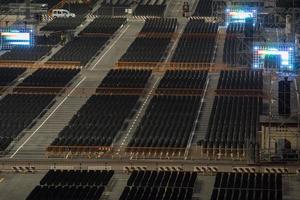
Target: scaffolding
(263, 7)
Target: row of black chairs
(46, 80)
(162, 185)
(97, 122)
(66, 193)
(241, 80)
(114, 8)
(75, 177)
(146, 49)
(152, 46)
(195, 49)
(167, 123)
(79, 8)
(169, 118)
(248, 186)
(237, 194)
(142, 193)
(159, 25)
(162, 179)
(197, 43)
(71, 185)
(73, 50)
(104, 25)
(26, 53)
(203, 9)
(235, 28)
(200, 26)
(239, 28)
(9, 74)
(63, 24)
(50, 77)
(49, 39)
(233, 122)
(117, 3)
(254, 181)
(125, 78)
(150, 8)
(18, 111)
(91, 44)
(183, 79)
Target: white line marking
(111, 46)
(1, 180)
(21, 146)
(139, 113)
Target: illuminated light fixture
(16, 36)
(10, 38)
(285, 51)
(240, 14)
(20, 43)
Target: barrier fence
(34, 64)
(88, 91)
(175, 35)
(238, 92)
(131, 153)
(161, 66)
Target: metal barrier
(240, 92)
(179, 92)
(208, 19)
(155, 66)
(121, 91)
(188, 66)
(96, 34)
(146, 153)
(88, 91)
(33, 64)
(158, 35)
(80, 91)
(162, 67)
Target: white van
(61, 13)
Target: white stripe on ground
(38, 128)
(111, 46)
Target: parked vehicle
(61, 13)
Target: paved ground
(17, 186)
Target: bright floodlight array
(10, 37)
(240, 14)
(276, 56)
